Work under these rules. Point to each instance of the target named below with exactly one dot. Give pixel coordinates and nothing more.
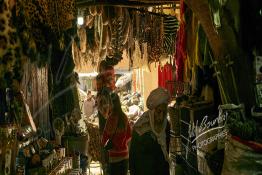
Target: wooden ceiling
(125, 3)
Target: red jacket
(121, 137)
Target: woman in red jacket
(117, 129)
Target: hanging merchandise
(191, 34)
(138, 80)
(197, 58)
(11, 59)
(32, 26)
(165, 75)
(144, 61)
(169, 77)
(83, 39)
(161, 78)
(180, 55)
(171, 25)
(215, 7)
(134, 78)
(155, 38)
(187, 70)
(204, 47)
(137, 55)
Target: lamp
(80, 17)
(80, 20)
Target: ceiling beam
(124, 3)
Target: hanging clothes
(180, 55)
(161, 78)
(165, 76)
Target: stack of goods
(39, 155)
(94, 143)
(132, 105)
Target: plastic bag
(241, 159)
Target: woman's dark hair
(117, 110)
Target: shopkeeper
(150, 137)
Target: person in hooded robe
(89, 105)
(150, 137)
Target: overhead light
(80, 20)
(150, 9)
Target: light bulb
(80, 20)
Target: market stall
(203, 52)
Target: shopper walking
(116, 135)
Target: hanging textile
(171, 25)
(161, 79)
(180, 55)
(165, 76)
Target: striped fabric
(171, 25)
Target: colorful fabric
(180, 55)
(165, 75)
(161, 78)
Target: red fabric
(161, 78)
(165, 74)
(169, 77)
(120, 138)
(180, 54)
(255, 146)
